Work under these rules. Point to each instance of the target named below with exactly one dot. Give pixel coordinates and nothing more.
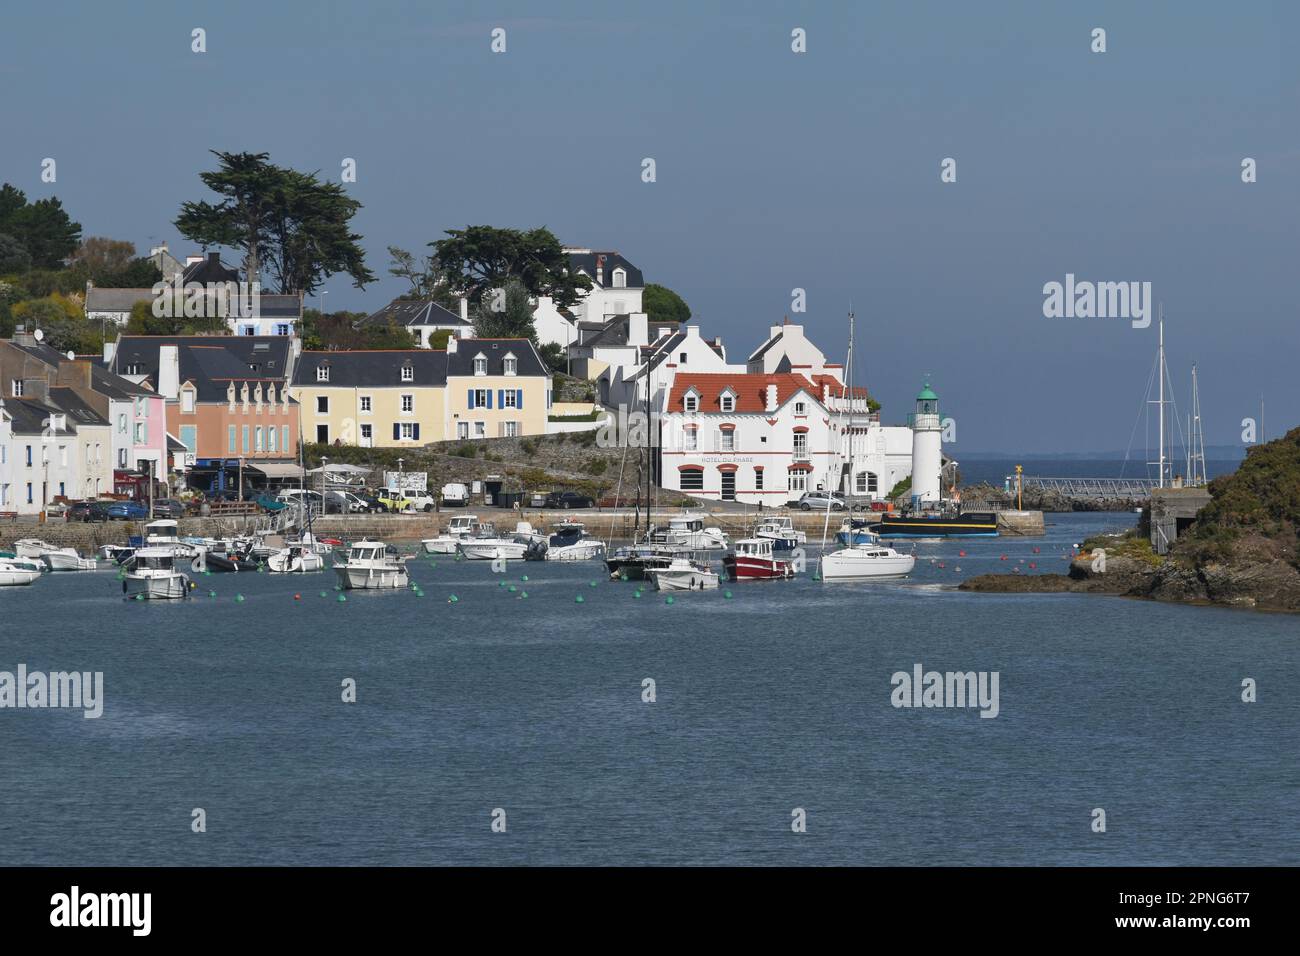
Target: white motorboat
(458, 528)
(688, 532)
(781, 530)
(294, 559)
(866, 561)
(117, 553)
(17, 571)
(584, 549)
(67, 559)
(683, 574)
(369, 565)
(152, 574)
(32, 548)
(491, 549)
(162, 534)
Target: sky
(774, 170)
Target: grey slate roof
(78, 412)
(586, 262)
(116, 300)
(28, 416)
(762, 349)
(409, 312)
(373, 369)
(211, 362)
(461, 362)
(430, 367)
(210, 269)
(101, 380)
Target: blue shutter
(489, 397)
(397, 431)
(519, 398)
(415, 430)
(471, 399)
(501, 398)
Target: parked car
(80, 511)
(818, 500)
(569, 499)
(455, 495)
(373, 503)
(407, 499)
(345, 501)
(537, 499)
(168, 508)
(126, 511)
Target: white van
(455, 495)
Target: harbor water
(774, 699)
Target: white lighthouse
(927, 451)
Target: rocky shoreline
(1048, 501)
(1243, 550)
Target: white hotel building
(769, 437)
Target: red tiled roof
(751, 390)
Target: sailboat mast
(1160, 372)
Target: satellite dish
(71, 355)
(40, 336)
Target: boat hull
(365, 579)
(853, 565)
(440, 545)
(16, 577)
(983, 524)
(284, 563)
(491, 551)
(634, 568)
(67, 561)
(582, 551)
(666, 579)
(168, 587)
(747, 568)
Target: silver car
(819, 500)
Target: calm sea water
(774, 699)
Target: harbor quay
(606, 524)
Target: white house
(6, 453)
(771, 436)
(684, 350)
(616, 290)
(423, 318)
(41, 456)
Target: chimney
(36, 390)
(109, 349)
(22, 336)
(771, 398)
(73, 374)
(600, 270)
(664, 332)
(169, 371)
(214, 258)
(638, 332)
(451, 342)
(693, 331)
(464, 309)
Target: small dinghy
(683, 574)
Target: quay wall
(605, 524)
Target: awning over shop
(274, 469)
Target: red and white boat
(752, 559)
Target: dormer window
(322, 373)
(620, 278)
(18, 388)
(408, 372)
(691, 401)
(135, 368)
(727, 401)
(187, 400)
(510, 364)
(480, 364)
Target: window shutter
(489, 397)
(519, 398)
(501, 398)
(397, 431)
(415, 430)
(471, 399)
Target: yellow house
(496, 388)
(477, 388)
(380, 399)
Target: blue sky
(775, 170)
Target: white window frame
(365, 404)
(408, 373)
(510, 365)
(480, 364)
(322, 373)
(408, 403)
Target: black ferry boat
(938, 524)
